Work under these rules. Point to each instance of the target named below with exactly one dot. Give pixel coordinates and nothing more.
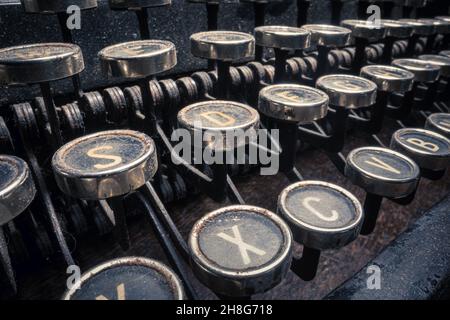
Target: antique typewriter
(208, 149)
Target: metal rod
(6, 262)
(260, 12)
(306, 266)
(52, 114)
(302, 12)
(372, 206)
(223, 80)
(120, 230)
(280, 65)
(212, 10)
(168, 246)
(165, 217)
(67, 37)
(142, 15)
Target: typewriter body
(314, 140)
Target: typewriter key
(240, 250)
(56, 6)
(282, 37)
(423, 70)
(105, 164)
(138, 59)
(365, 29)
(128, 278)
(292, 102)
(388, 78)
(440, 123)
(328, 35)
(382, 171)
(37, 63)
(439, 60)
(347, 91)
(428, 149)
(220, 118)
(321, 215)
(222, 45)
(16, 188)
(363, 32)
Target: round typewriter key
(36, 63)
(128, 278)
(420, 28)
(224, 124)
(428, 149)
(56, 6)
(445, 53)
(439, 60)
(321, 215)
(348, 91)
(138, 59)
(396, 29)
(365, 29)
(16, 188)
(240, 250)
(440, 123)
(423, 70)
(222, 45)
(105, 164)
(382, 171)
(292, 102)
(282, 37)
(388, 78)
(328, 35)
(137, 4)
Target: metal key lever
(306, 266)
(282, 39)
(132, 161)
(333, 142)
(167, 244)
(141, 10)
(41, 185)
(314, 210)
(374, 123)
(6, 263)
(224, 47)
(120, 230)
(325, 37)
(302, 12)
(60, 8)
